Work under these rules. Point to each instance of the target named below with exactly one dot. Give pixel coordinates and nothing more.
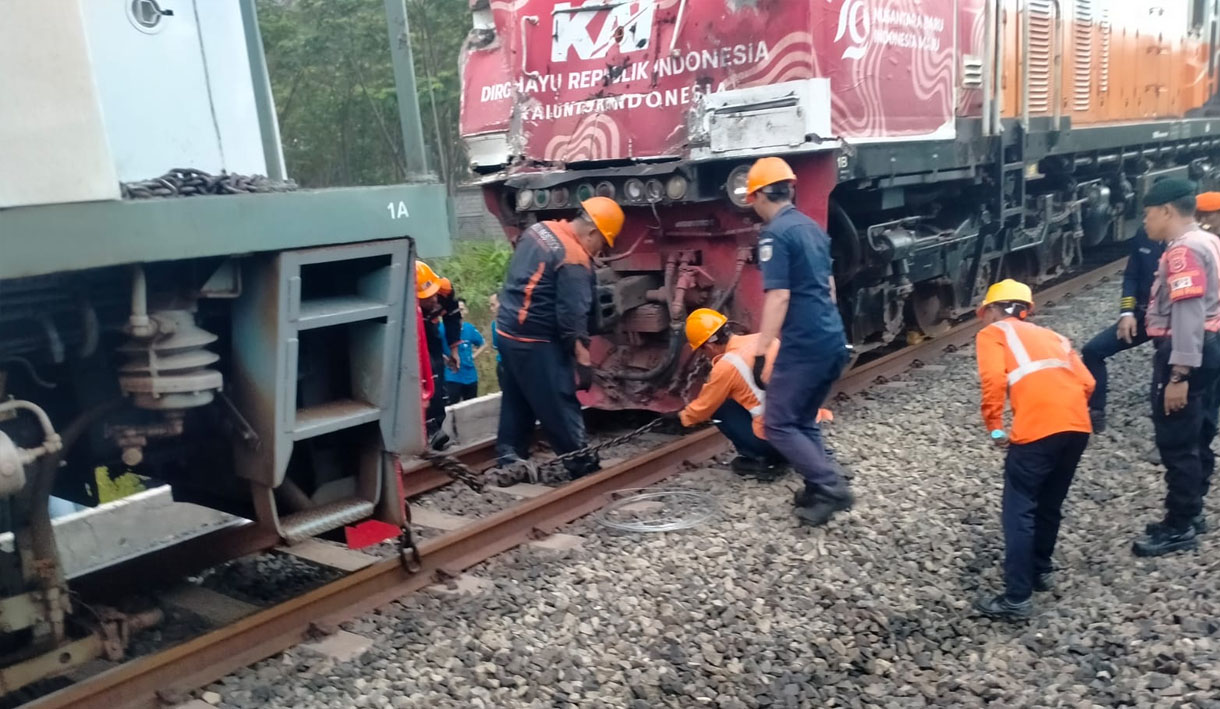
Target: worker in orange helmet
(543, 328)
(799, 309)
(1207, 211)
(1048, 387)
(731, 396)
(438, 302)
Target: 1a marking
(399, 210)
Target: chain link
(189, 182)
(456, 469)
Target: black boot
(762, 470)
(815, 505)
(1166, 540)
(1001, 608)
(1199, 523)
(1045, 582)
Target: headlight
(525, 200)
(735, 186)
(605, 189)
(584, 192)
(633, 189)
(654, 191)
(675, 187)
(559, 197)
(541, 199)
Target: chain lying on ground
(189, 182)
(549, 472)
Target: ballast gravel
(751, 610)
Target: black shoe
(1098, 417)
(1199, 523)
(438, 441)
(1166, 541)
(762, 470)
(1045, 582)
(815, 505)
(1000, 608)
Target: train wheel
(928, 308)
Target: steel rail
(167, 676)
(148, 681)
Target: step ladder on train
(325, 374)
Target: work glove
(584, 377)
(670, 422)
(759, 364)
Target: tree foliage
(337, 103)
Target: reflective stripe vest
(747, 374)
(1037, 371)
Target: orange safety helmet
(607, 216)
(701, 325)
(767, 171)
(446, 286)
(427, 283)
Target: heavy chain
(456, 469)
(612, 443)
(189, 182)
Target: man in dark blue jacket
(1129, 331)
(543, 331)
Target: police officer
(438, 303)
(543, 330)
(1183, 319)
(1129, 331)
(794, 254)
(1048, 386)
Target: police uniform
(545, 309)
(1049, 387)
(794, 253)
(1184, 319)
(1137, 284)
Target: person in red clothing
(731, 396)
(1048, 386)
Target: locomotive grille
(1107, 30)
(1082, 59)
(1041, 34)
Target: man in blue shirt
(463, 383)
(794, 256)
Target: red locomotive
(944, 143)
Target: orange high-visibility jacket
(732, 377)
(1037, 370)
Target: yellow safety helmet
(427, 283)
(607, 216)
(767, 171)
(701, 325)
(1007, 291)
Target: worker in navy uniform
(1183, 319)
(438, 303)
(794, 255)
(542, 326)
(1129, 331)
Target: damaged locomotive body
(943, 143)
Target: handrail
(989, 59)
(1025, 10)
(533, 20)
(1057, 65)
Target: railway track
(167, 676)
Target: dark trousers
(461, 392)
(538, 383)
(737, 425)
(1184, 438)
(1037, 476)
(799, 385)
(436, 405)
(1103, 346)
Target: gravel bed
(266, 579)
(751, 610)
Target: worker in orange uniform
(1048, 387)
(543, 327)
(1207, 211)
(438, 302)
(731, 396)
